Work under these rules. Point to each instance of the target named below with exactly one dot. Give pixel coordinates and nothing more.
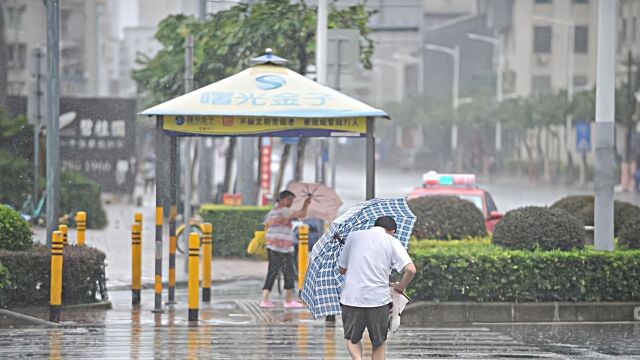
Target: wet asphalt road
(232, 326)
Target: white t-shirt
(368, 256)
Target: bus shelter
(266, 99)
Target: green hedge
(233, 227)
(484, 273)
(81, 194)
(83, 276)
(15, 233)
(446, 217)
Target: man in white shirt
(366, 261)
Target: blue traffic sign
(583, 136)
(290, 140)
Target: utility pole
(205, 162)
(321, 77)
(333, 146)
(35, 114)
(605, 125)
(53, 110)
(188, 86)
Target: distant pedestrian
(279, 242)
(149, 174)
(366, 261)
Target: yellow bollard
(207, 229)
(303, 253)
(55, 291)
(137, 217)
(136, 263)
(172, 255)
(64, 229)
(81, 226)
(157, 282)
(194, 276)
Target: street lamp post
(498, 52)
(605, 126)
(454, 52)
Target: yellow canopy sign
(267, 126)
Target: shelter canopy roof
(266, 90)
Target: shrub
(15, 233)
(629, 237)
(534, 227)
(446, 217)
(233, 227)
(582, 207)
(83, 276)
(4, 282)
(16, 180)
(625, 216)
(81, 194)
(490, 273)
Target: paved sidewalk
(115, 241)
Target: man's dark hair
(387, 223)
(284, 193)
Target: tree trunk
(546, 168)
(530, 160)
(228, 164)
(284, 159)
(299, 173)
(4, 61)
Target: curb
(183, 284)
(99, 305)
(424, 312)
(22, 319)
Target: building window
(542, 39)
(16, 87)
(623, 36)
(65, 15)
(581, 39)
(540, 84)
(14, 16)
(543, 1)
(579, 81)
(634, 28)
(580, 1)
(17, 56)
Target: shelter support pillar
(159, 217)
(173, 196)
(370, 160)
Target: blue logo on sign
(179, 120)
(270, 82)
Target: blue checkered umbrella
(323, 283)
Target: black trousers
(279, 262)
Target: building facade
(84, 44)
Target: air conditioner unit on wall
(543, 59)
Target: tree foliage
(226, 41)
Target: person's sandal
(266, 304)
(293, 305)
